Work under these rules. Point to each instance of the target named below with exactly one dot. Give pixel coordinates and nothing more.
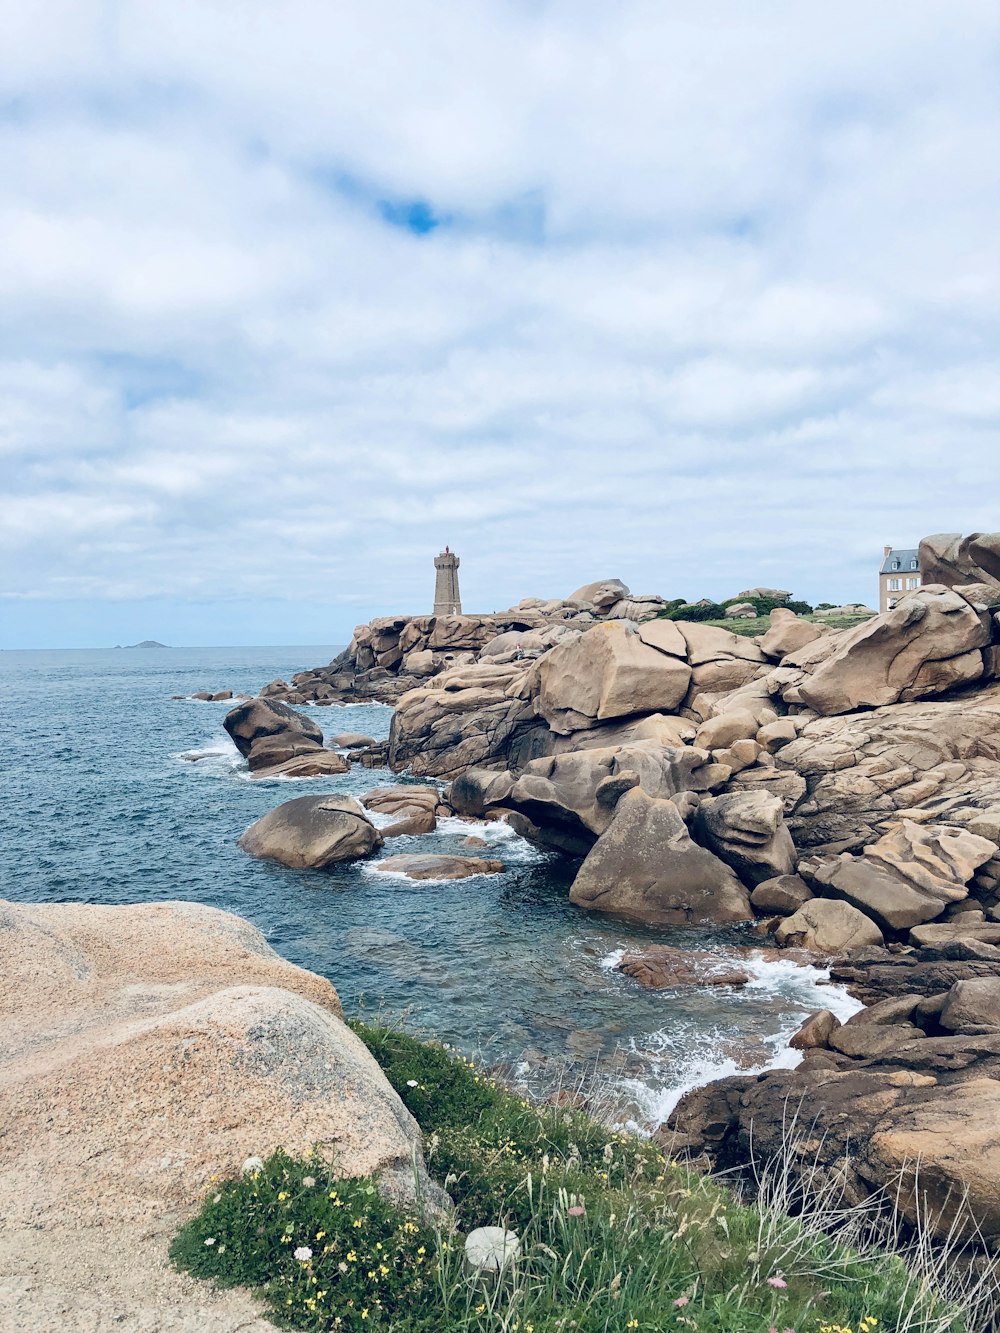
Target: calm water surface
(98, 806)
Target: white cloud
(714, 301)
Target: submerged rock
(662, 967)
(417, 866)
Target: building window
(913, 564)
(894, 565)
(895, 585)
(913, 583)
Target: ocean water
(98, 805)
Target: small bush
(697, 611)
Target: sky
(698, 295)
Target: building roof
(904, 557)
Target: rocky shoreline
(836, 790)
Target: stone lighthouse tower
(447, 601)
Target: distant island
(146, 643)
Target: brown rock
(782, 895)
(609, 672)
(313, 832)
(815, 1032)
(661, 967)
(747, 830)
(438, 867)
(147, 1050)
(313, 763)
(929, 643)
(867, 1040)
(721, 731)
(412, 826)
(405, 801)
(972, 1006)
(252, 721)
(941, 1157)
(825, 926)
(574, 796)
(352, 740)
(787, 634)
(645, 866)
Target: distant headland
(146, 643)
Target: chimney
(888, 551)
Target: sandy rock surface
(147, 1049)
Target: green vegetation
(613, 1235)
(679, 609)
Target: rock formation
(645, 866)
(272, 738)
(148, 1049)
(312, 833)
(844, 785)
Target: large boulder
(931, 642)
(602, 594)
(972, 1006)
(940, 1157)
(909, 876)
(825, 926)
(312, 763)
(570, 798)
(645, 866)
(464, 717)
(267, 732)
(406, 801)
(747, 830)
(787, 634)
(720, 660)
(609, 672)
(965, 563)
(147, 1051)
(313, 832)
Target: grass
(761, 624)
(613, 1236)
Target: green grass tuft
(613, 1235)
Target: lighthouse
(447, 601)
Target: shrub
(697, 611)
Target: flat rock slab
(660, 967)
(438, 867)
(314, 764)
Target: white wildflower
(309, 1181)
(303, 1254)
(252, 1167)
(412, 1083)
(210, 1241)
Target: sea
(112, 790)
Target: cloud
(703, 296)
